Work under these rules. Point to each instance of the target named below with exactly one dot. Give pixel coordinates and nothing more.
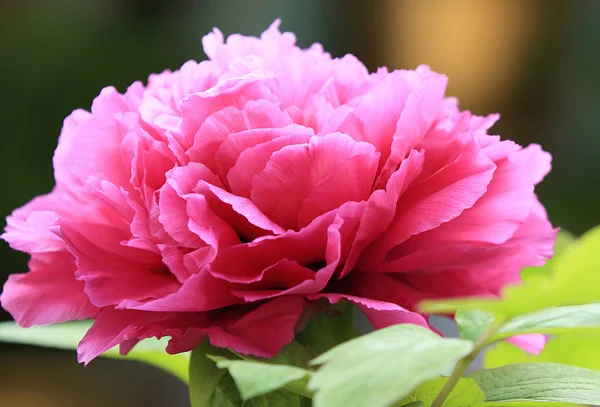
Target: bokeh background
(536, 62)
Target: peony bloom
(221, 199)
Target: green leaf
(573, 280)
(67, 336)
(582, 319)
(227, 395)
(472, 323)
(207, 381)
(555, 321)
(540, 382)
(464, 393)
(211, 386)
(294, 354)
(389, 362)
(258, 378)
(413, 404)
(505, 353)
(575, 350)
(329, 327)
(522, 404)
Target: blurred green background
(536, 62)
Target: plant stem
(463, 364)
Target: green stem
(463, 364)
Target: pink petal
(247, 263)
(33, 233)
(200, 292)
(381, 207)
(533, 343)
(186, 216)
(348, 182)
(389, 288)
(150, 159)
(254, 159)
(418, 115)
(231, 93)
(502, 209)
(48, 293)
(291, 277)
(112, 272)
(264, 330)
(260, 331)
(239, 212)
(294, 172)
(478, 265)
(438, 199)
(91, 144)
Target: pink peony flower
(221, 199)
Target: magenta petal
(113, 273)
(264, 330)
(260, 331)
(417, 117)
(253, 160)
(381, 208)
(33, 234)
(247, 263)
(239, 212)
(112, 327)
(200, 292)
(439, 198)
(289, 277)
(90, 145)
(48, 294)
(186, 216)
(349, 182)
(234, 93)
(506, 204)
(294, 172)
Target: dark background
(536, 62)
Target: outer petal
(438, 199)
(260, 331)
(91, 144)
(32, 234)
(112, 272)
(466, 268)
(48, 293)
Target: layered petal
(303, 181)
(260, 330)
(48, 293)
